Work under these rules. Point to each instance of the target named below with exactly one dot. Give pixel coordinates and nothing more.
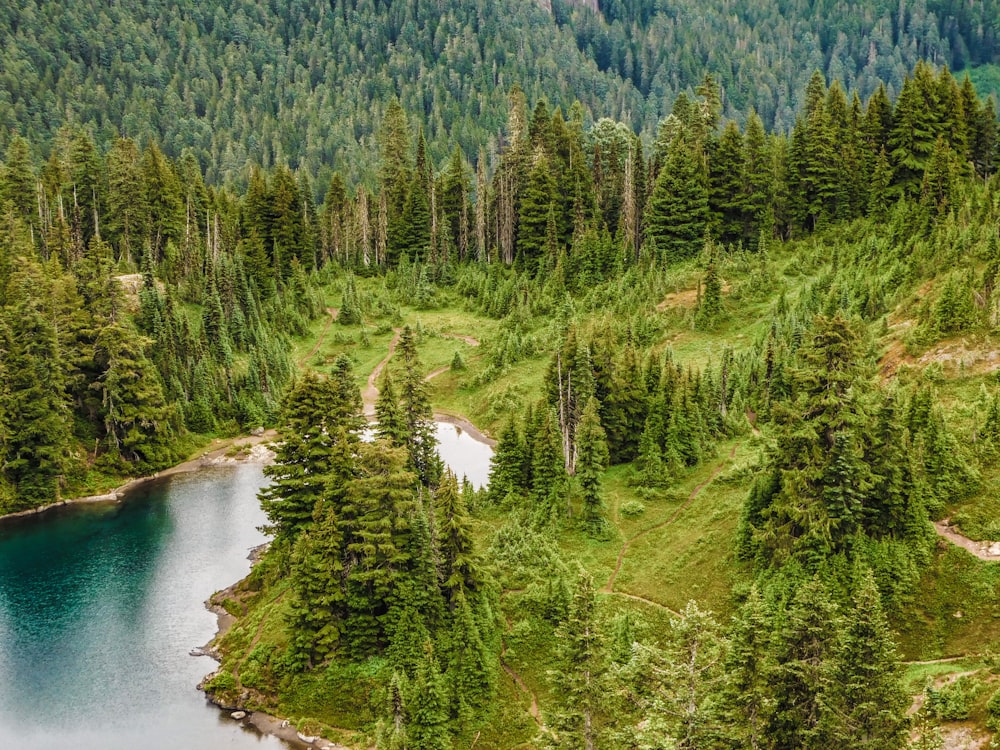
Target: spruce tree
(390, 420)
(677, 213)
(803, 655)
(865, 699)
(592, 460)
(316, 611)
(581, 663)
(415, 407)
(36, 408)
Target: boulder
(238, 715)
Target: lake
(101, 604)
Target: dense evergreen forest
(246, 82)
(734, 333)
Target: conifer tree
(378, 507)
(316, 609)
(803, 654)
(536, 205)
(416, 411)
(454, 539)
(748, 667)
(865, 700)
(592, 460)
(677, 212)
(507, 466)
(390, 420)
(303, 473)
(576, 682)
(36, 411)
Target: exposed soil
(462, 337)
(434, 373)
(646, 601)
(687, 299)
(989, 551)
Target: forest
(246, 82)
(736, 342)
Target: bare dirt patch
(687, 299)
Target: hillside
(768, 438)
(244, 82)
(729, 321)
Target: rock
(238, 715)
(306, 738)
(197, 652)
(257, 431)
(994, 550)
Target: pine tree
(865, 700)
(576, 682)
(592, 460)
(678, 213)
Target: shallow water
(101, 604)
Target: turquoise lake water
(100, 606)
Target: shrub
(952, 701)
(632, 508)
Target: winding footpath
(333, 312)
(370, 394)
(609, 587)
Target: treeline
(584, 204)
(137, 305)
(248, 82)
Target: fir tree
(592, 460)
(576, 682)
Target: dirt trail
(646, 601)
(943, 660)
(609, 587)
(989, 551)
(334, 312)
(533, 709)
(370, 393)
(462, 337)
(439, 371)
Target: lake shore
(214, 455)
(267, 723)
